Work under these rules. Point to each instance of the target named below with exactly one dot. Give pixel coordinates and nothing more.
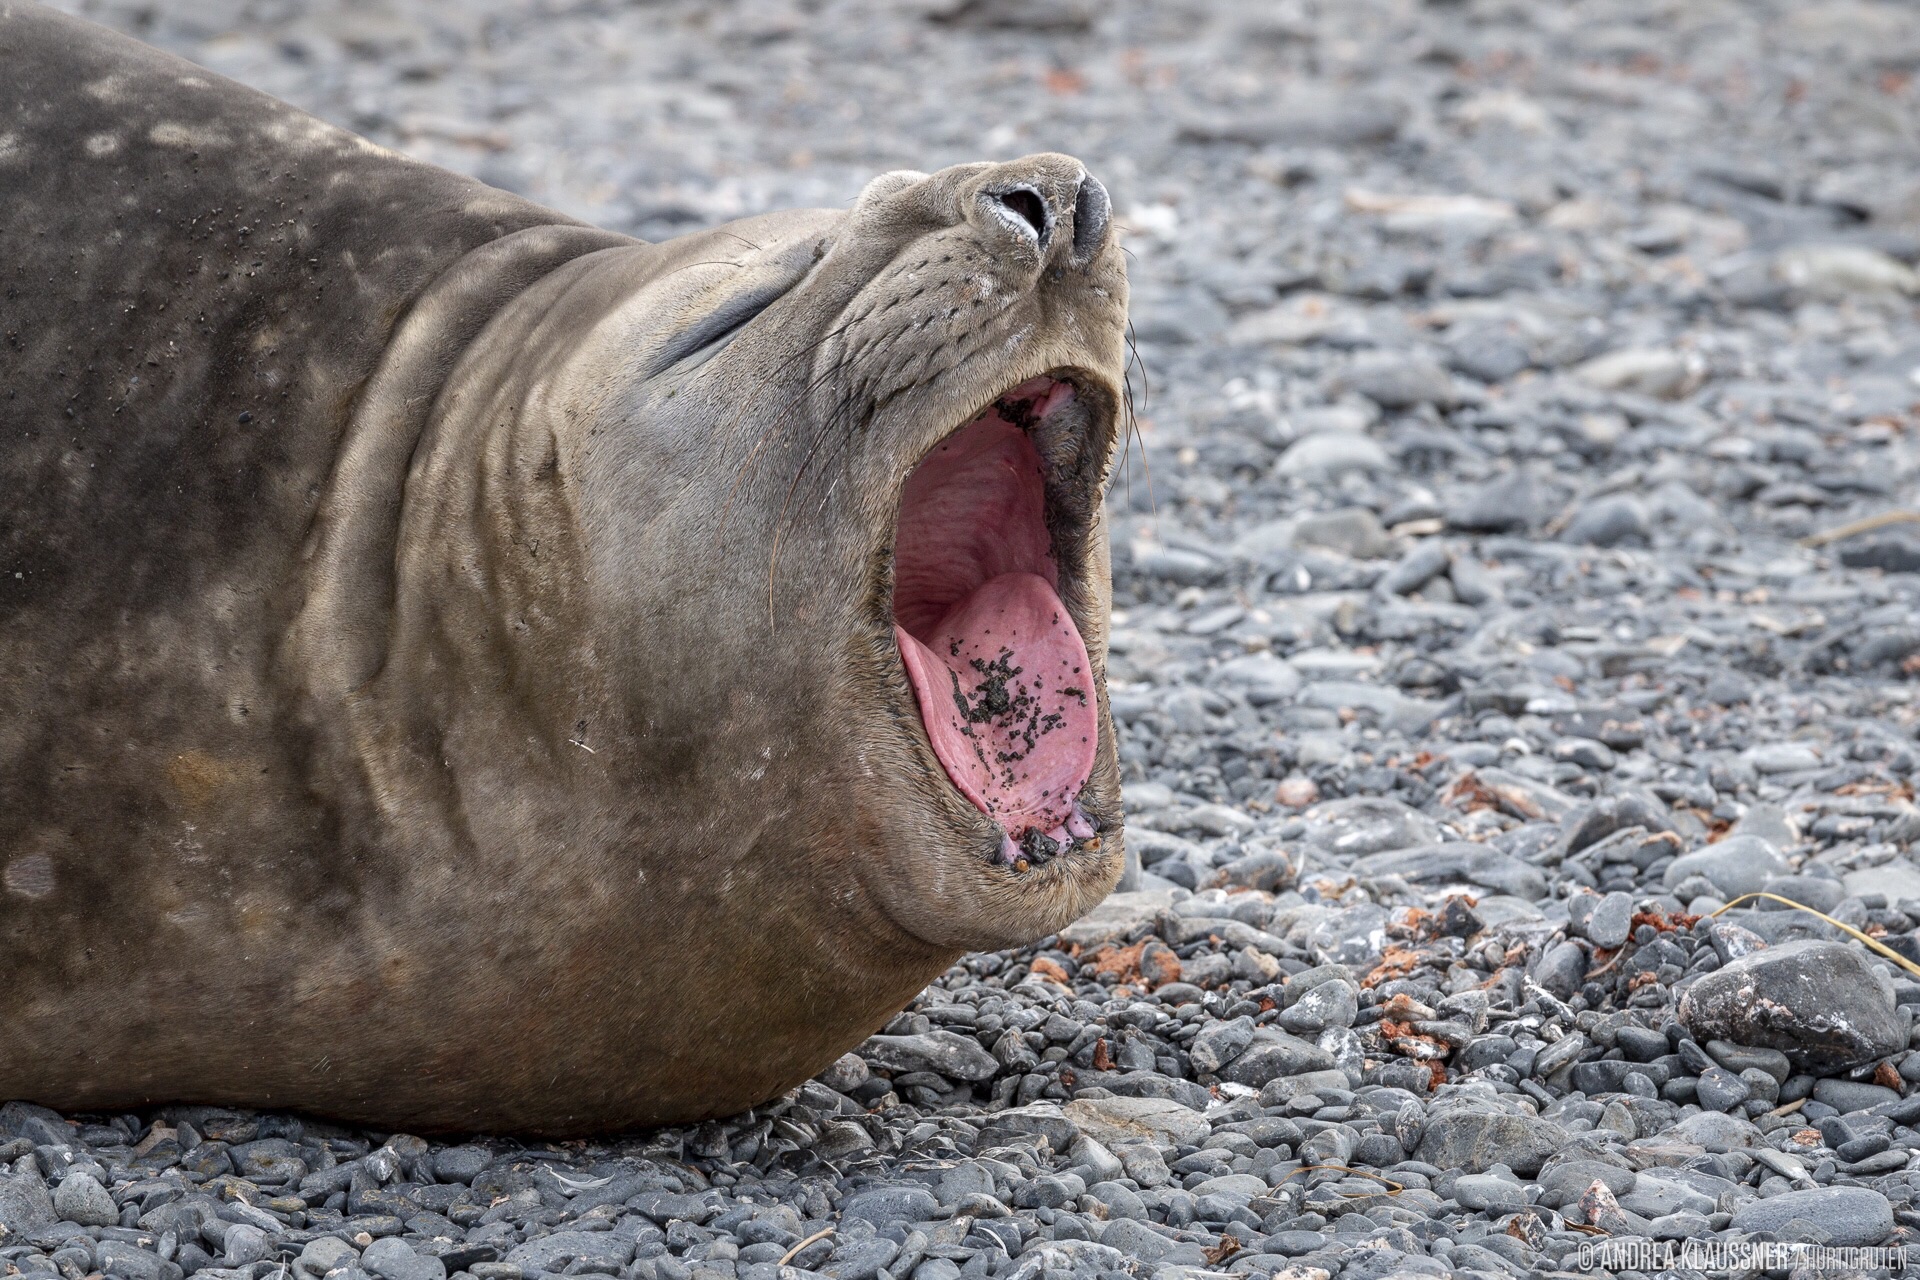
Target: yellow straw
(1886, 951)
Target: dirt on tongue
(1006, 694)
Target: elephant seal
(466, 670)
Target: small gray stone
(127, 1261)
(1264, 678)
(1716, 1132)
(1332, 453)
(1416, 569)
(1782, 757)
(1277, 1092)
(1564, 1180)
(1649, 371)
(1360, 825)
(1219, 1043)
(461, 1164)
(1853, 1095)
(860, 1259)
(848, 1072)
(392, 1258)
(1843, 270)
(550, 1252)
(1808, 891)
(1611, 921)
(1609, 521)
(1490, 353)
(1352, 531)
(80, 1198)
(1720, 1090)
(328, 1253)
(1511, 502)
(245, 1244)
(1681, 1224)
(1396, 379)
(1487, 1193)
(1144, 1164)
(1331, 1004)
(1458, 862)
(1136, 1240)
(1117, 1122)
(1562, 968)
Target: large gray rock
(883, 1206)
(1120, 914)
(1358, 825)
(555, 1252)
(1458, 861)
(1396, 380)
(1332, 453)
(1465, 1137)
(1820, 1003)
(1042, 1118)
(1274, 1054)
(392, 1258)
(953, 1056)
(1848, 1216)
(1116, 1121)
(25, 1204)
(1737, 865)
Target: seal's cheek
(998, 668)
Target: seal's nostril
(1027, 205)
(1092, 212)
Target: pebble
(1611, 922)
(1332, 453)
(392, 1258)
(1485, 1193)
(1609, 521)
(80, 1198)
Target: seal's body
(466, 669)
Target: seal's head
(893, 427)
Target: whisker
(1146, 391)
(840, 416)
(766, 437)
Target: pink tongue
(1007, 699)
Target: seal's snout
(1047, 205)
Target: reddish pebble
(1296, 792)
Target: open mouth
(997, 664)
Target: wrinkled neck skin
(616, 642)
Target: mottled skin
(431, 697)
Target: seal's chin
(998, 668)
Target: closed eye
(707, 336)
